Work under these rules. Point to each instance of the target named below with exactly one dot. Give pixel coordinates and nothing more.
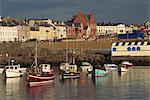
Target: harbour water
(132, 85)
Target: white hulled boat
(123, 68)
(127, 63)
(111, 66)
(86, 67)
(11, 71)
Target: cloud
(127, 11)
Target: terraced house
(13, 30)
(46, 29)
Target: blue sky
(125, 11)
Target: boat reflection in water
(40, 92)
(12, 86)
(98, 81)
(132, 85)
(12, 83)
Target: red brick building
(82, 26)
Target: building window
(114, 49)
(138, 48)
(121, 31)
(128, 49)
(133, 48)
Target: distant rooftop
(110, 24)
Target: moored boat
(127, 63)
(86, 67)
(40, 75)
(99, 71)
(69, 71)
(123, 68)
(11, 71)
(111, 66)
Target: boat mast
(36, 53)
(73, 53)
(66, 49)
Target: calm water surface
(132, 85)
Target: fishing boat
(69, 71)
(99, 71)
(86, 67)
(123, 68)
(127, 63)
(39, 74)
(11, 71)
(111, 66)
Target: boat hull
(123, 69)
(11, 74)
(35, 80)
(111, 68)
(86, 69)
(100, 73)
(70, 75)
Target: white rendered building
(61, 32)
(106, 29)
(8, 33)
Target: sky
(115, 11)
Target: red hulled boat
(40, 75)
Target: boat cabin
(68, 67)
(45, 67)
(12, 67)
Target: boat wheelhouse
(69, 71)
